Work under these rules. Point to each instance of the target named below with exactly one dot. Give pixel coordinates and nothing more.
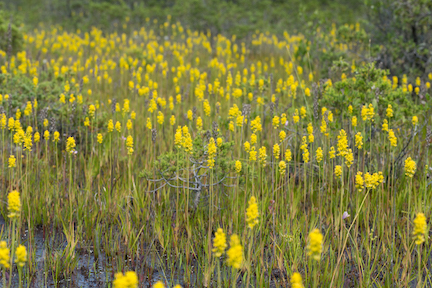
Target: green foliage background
(239, 17)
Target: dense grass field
(164, 156)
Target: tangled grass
(183, 157)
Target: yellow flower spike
(11, 123)
(159, 284)
(410, 167)
(219, 243)
(219, 142)
(319, 154)
(129, 141)
(354, 121)
(276, 151)
(4, 255)
(118, 126)
(283, 118)
(282, 167)
(256, 125)
(36, 137)
(46, 135)
(128, 280)
(70, 145)
(338, 170)
(389, 111)
(349, 158)
(415, 120)
(303, 112)
(288, 155)
(350, 109)
(392, 138)
(207, 107)
(99, 138)
(14, 204)
(62, 98)
(189, 115)
(132, 279)
(315, 245)
(282, 136)
(56, 136)
(385, 126)
(239, 121)
(28, 109)
(18, 114)
(199, 123)
(92, 110)
(178, 137)
(152, 106)
(252, 213)
(252, 154)
(21, 255)
(235, 252)
(12, 161)
(276, 122)
(420, 229)
(238, 166)
(296, 280)
(359, 140)
(149, 124)
(160, 118)
(129, 124)
(172, 120)
(307, 92)
(296, 117)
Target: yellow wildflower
(12, 161)
(385, 126)
(14, 204)
(118, 126)
(4, 255)
(410, 167)
(315, 246)
(420, 228)
(288, 155)
(359, 140)
(21, 255)
(276, 151)
(238, 166)
(296, 281)
(392, 138)
(70, 145)
(235, 252)
(338, 170)
(319, 154)
(282, 167)
(128, 280)
(252, 213)
(219, 243)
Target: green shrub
(10, 34)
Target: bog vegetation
(163, 156)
